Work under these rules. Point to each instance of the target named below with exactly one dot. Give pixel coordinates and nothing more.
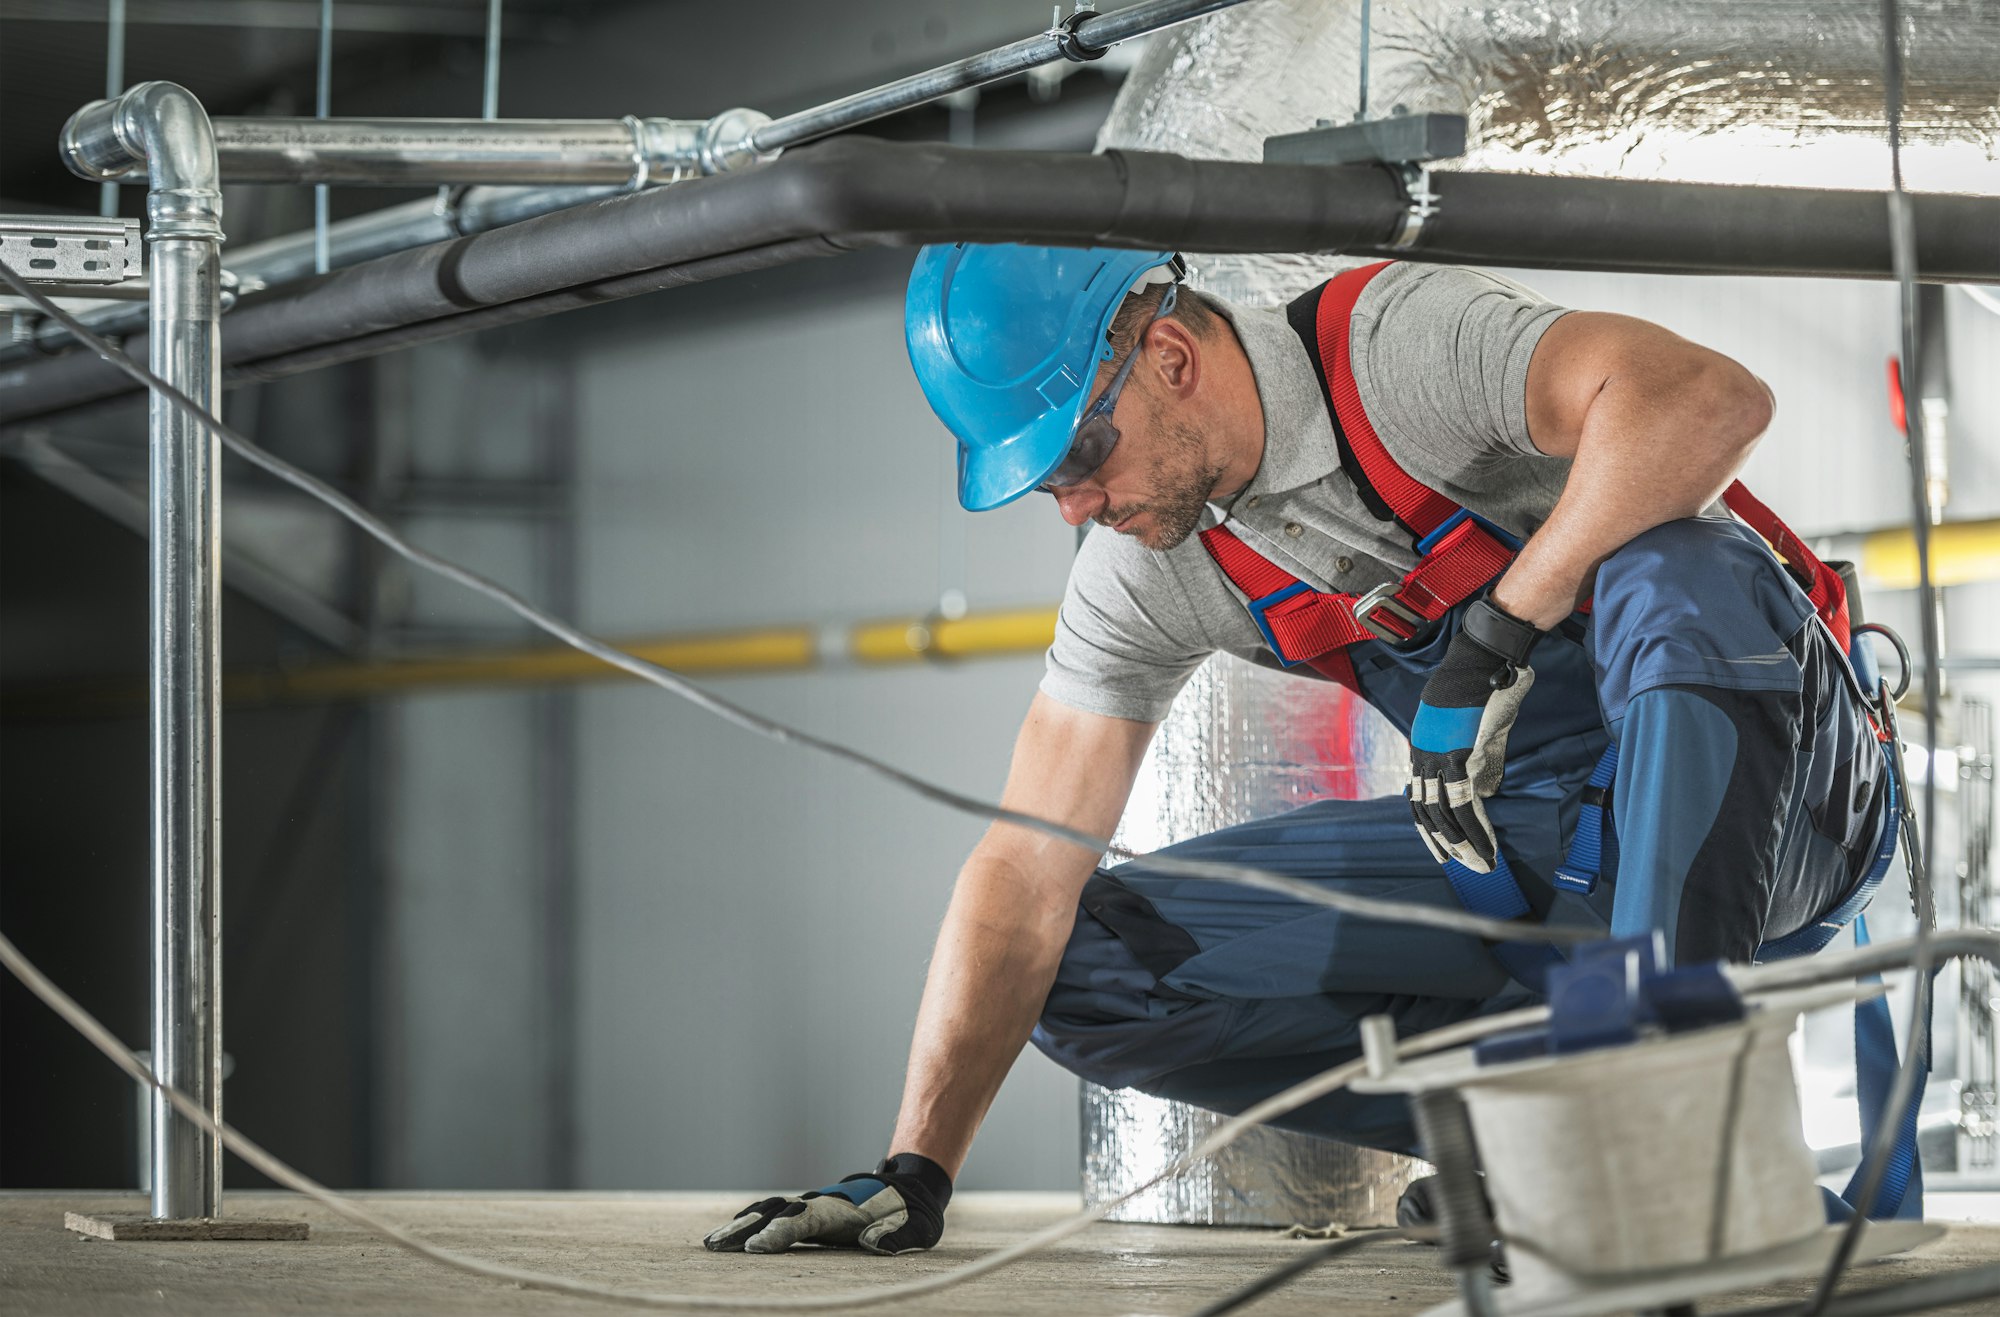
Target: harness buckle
(1383, 599)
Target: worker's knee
(1116, 1051)
(1700, 601)
(1687, 562)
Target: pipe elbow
(94, 145)
(161, 128)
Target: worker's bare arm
(1010, 917)
(1655, 426)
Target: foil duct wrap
(1783, 92)
(1243, 742)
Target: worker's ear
(1174, 356)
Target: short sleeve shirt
(1440, 356)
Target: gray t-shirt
(1440, 355)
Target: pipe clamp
(1070, 43)
(1414, 181)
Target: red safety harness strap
(1822, 584)
(1416, 506)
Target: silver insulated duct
(1244, 742)
(1783, 92)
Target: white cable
(1988, 297)
(1225, 1134)
(1457, 921)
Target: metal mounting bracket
(78, 254)
(1404, 144)
(1415, 182)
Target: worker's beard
(1184, 476)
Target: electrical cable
(1916, 1057)
(256, 1156)
(1299, 1266)
(1457, 921)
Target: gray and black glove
(1458, 740)
(896, 1208)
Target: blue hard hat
(1006, 340)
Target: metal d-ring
(1902, 655)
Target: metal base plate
(138, 1227)
(1594, 1296)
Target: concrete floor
(650, 1241)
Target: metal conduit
(161, 128)
(422, 152)
(854, 192)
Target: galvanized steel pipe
(423, 152)
(163, 129)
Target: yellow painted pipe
(1016, 631)
(729, 651)
(769, 649)
(1961, 552)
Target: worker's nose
(1079, 503)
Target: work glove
(1458, 742)
(896, 1208)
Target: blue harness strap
(1594, 847)
(1498, 895)
(1901, 1196)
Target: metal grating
(1979, 1089)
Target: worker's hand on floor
(1458, 741)
(896, 1208)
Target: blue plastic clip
(1259, 606)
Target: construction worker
(1496, 519)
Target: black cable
(1916, 1056)
(1299, 1266)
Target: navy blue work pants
(1747, 803)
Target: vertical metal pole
(1367, 27)
(114, 82)
(489, 99)
(164, 127)
(184, 211)
(322, 107)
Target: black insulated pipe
(854, 192)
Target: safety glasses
(1095, 435)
